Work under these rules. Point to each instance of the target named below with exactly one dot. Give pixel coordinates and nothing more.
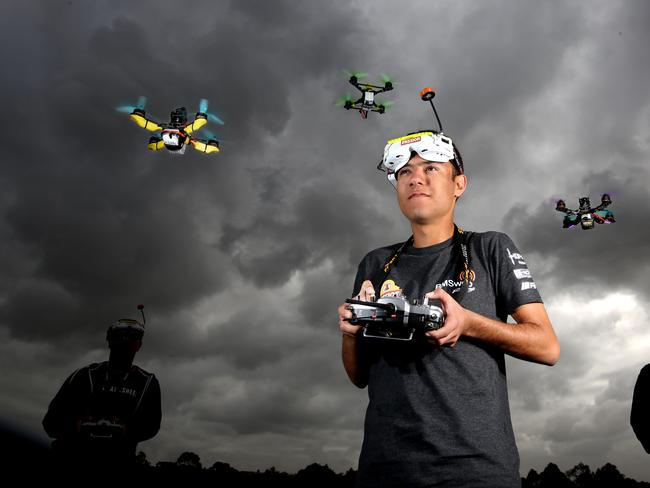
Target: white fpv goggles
(429, 145)
(126, 328)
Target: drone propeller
(341, 102)
(356, 74)
(203, 105)
(385, 106)
(208, 134)
(388, 81)
(203, 108)
(142, 101)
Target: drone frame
(361, 104)
(209, 145)
(605, 201)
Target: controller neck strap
(460, 238)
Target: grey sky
(241, 258)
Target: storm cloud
(241, 258)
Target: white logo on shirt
(528, 285)
(521, 273)
(515, 257)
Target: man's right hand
(367, 293)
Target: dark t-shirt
(439, 416)
(104, 399)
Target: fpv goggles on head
(429, 145)
(127, 328)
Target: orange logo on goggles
(411, 140)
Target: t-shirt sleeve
(514, 283)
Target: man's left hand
(456, 321)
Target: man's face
(124, 343)
(427, 191)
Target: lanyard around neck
(459, 237)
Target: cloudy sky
(241, 258)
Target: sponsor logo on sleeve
(528, 285)
(522, 273)
(515, 257)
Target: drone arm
(368, 87)
(199, 122)
(205, 146)
(602, 206)
(144, 122)
(356, 85)
(156, 144)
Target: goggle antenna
(427, 95)
(141, 308)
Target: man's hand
(532, 337)
(456, 320)
(356, 369)
(367, 293)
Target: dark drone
(366, 103)
(585, 215)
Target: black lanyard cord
(459, 236)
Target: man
(641, 408)
(103, 410)
(438, 411)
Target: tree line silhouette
(189, 469)
(26, 459)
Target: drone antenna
(427, 95)
(141, 308)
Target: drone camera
(587, 221)
(179, 116)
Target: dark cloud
(322, 223)
(242, 258)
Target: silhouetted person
(641, 408)
(104, 409)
